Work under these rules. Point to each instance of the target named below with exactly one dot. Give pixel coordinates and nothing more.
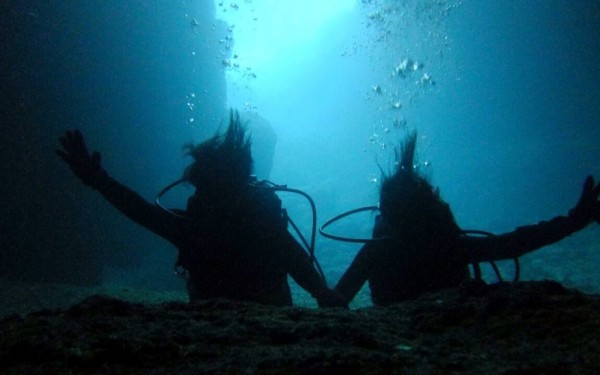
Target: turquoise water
(502, 93)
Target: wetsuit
(243, 255)
(403, 267)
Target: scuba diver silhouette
(417, 246)
(232, 237)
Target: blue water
(504, 95)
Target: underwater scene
(403, 153)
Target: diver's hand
(330, 298)
(75, 153)
(588, 207)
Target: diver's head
(407, 200)
(222, 164)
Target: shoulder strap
(269, 206)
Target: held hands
(330, 298)
(588, 207)
(75, 153)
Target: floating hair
(226, 154)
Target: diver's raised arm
(529, 238)
(88, 168)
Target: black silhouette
(232, 237)
(420, 248)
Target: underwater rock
(530, 327)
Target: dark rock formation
(528, 328)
